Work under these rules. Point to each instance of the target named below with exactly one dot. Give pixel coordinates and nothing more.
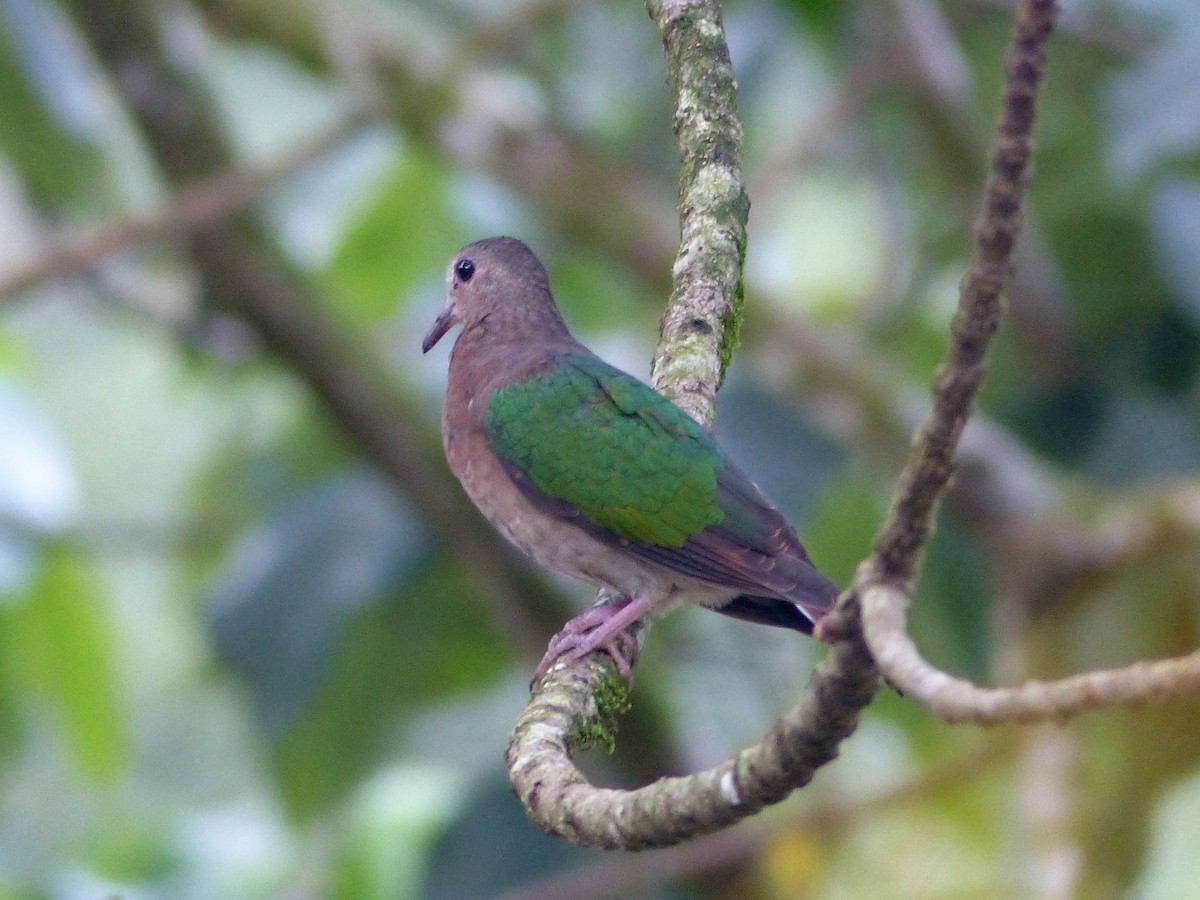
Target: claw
(600, 628)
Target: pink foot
(600, 627)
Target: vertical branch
(981, 305)
(699, 329)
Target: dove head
(498, 281)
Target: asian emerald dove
(595, 475)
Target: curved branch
(635, 875)
(672, 810)
(958, 700)
(885, 602)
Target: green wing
(610, 447)
(597, 448)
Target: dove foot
(601, 628)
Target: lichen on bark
(702, 322)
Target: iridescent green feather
(605, 443)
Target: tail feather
(768, 611)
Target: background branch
(243, 275)
(203, 205)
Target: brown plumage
(593, 474)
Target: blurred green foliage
(235, 663)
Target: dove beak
(443, 323)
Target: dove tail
(768, 611)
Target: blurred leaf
(291, 585)
(12, 682)
(38, 490)
(1145, 129)
(288, 441)
(57, 166)
(430, 641)
(14, 354)
(1125, 320)
(1172, 352)
(913, 337)
(66, 650)
(332, 613)
(13, 893)
(1175, 211)
(822, 247)
(824, 18)
(1061, 422)
(1172, 866)
(843, 520)
(406, 234)
(494, 847)
(133, 849)
(783, 452)
(1143, 610)
(792, 861)
(1114, 283)
(595, 294)
(1146, 437)
(395, 819)
(952, 612)
(886, 854)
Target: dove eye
(464, 269)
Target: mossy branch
(699, 330)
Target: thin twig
(958, 700)
(931, 462)
(886, 593)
